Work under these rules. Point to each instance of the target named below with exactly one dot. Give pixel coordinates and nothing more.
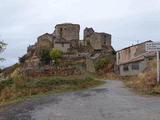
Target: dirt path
(108, 102)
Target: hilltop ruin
(65, 38)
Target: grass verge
(143, 83)
(19, 89)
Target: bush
(6, 83)
(56, 55)
(71, 51)
(45, 57)
(7, 71)
(22, 59)
(100, 64)
(20, 87)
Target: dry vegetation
(143, 82)
(19, 87)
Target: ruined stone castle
(65, 38)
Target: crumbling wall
(69, 66)
(90, 65)
(81, 43)
(45, 41)
(100, 40)
(87, 34)
(67, 31)
(62, 46)
(96, 40)
(95, 56)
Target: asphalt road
(111, 101)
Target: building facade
(133, 60)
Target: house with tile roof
(133, 59)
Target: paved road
(111, 101)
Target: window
(135, 66)
(125, 68)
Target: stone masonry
(66, 39)
(97, 40)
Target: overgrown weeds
(145, 83)
(19, 86)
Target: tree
(22, 59)
(2, 48)
(44, 56)
(56, 55)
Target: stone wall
(100, 40)
(87, 34)
(45, 41)
(96, 40)
(90, 65)
(69, 66)
(67, 31)
(95, 56)
(81, 43)
(62, 46)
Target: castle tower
(69, 32)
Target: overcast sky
(129, 21)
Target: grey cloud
(22, 21)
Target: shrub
(22, 59)
(5, 83)
(20, 87)
(56, 55)
(44, 56)
(100, 64)
(7, 71)
(71, 51)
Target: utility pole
(154, 46)
(158, 67)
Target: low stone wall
(69, 66)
